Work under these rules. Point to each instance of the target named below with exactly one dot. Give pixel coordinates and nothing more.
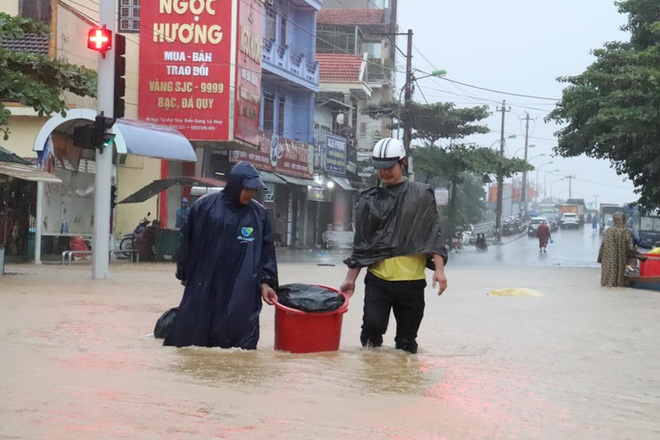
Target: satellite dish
(340, 118)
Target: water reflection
(228, 366)
(387, 370)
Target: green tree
(457, 164)
(612, 110)
(432, 122)
(36, 80)
(453, 165)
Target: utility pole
(103, 176)
(523, 196)
(407, 125)
(570, 186)
(500, 179)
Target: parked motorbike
(128, 242)
(481, 243)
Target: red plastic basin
(297, 331)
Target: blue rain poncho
(226, 252)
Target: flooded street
(79, 362)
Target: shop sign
(317, 194)
(198, 60)
(279, 154)
(335, 154)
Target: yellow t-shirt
(406, 268)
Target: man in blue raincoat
(227, 263)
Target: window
(280, 115)
(283, 23)
(374, 50)
(271, 25)
(269, 111)
(39, 10)
(129, 16)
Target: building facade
(244, 94)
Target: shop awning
(343, 182)
(299, 181)
(145, 139)
(157, 186)
(27, 172)
(132, 136)
(269, 177)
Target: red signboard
(185, 66)
(248, 71)
(279, 154)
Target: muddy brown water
(78, 361)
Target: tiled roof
(338, 67)
(8, 156)
(349, 16)
(28, 43)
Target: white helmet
(387, 152)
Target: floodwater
(78, 361)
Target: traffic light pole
(103, 177)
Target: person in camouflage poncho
(616, 249)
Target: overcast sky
(519, 47)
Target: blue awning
(132, 136)
(146, 139)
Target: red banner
(248, 71)
(492, 193)
(185, 65)
(279, 154)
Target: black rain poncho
(226, 252)
(395, 221)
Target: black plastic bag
(164, 323)
(309, 298)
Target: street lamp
(545, 179)
(552, 184)
(407, 127)
(511, 136)
(520, 149)
(537, 178)
(407, 88)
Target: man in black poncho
(397, 235)
(227, 262)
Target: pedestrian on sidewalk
(182, 214)
(544, 235)
(397, 235)
(616, 249)
(227, 263)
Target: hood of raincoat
(394, 221)
(243, 175)
(619, 219)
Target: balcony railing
(295, 63)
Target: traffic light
(99, 39)
(101, 138)
(83, 136)
(113, 196)
(120, 74)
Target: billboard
(279, 154)
(200, 67)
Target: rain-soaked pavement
(78, 361)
